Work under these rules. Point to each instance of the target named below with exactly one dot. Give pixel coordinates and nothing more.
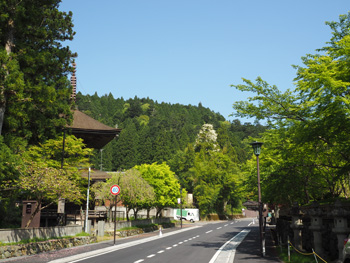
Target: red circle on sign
(115, 189)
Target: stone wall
(18, 234)
(45, 246)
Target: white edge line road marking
(228, 254)
(102, 251)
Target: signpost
(115, 190)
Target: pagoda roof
(94, 133)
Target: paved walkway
(249, 250)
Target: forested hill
(154, 132)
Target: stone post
(297, 226)
(101, 228)
(340, 226)
(316, 227)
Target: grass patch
(295, 257)
(82, 234)
(128, 228)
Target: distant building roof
(95, 175)
(94, 133)
(251, 205)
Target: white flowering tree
(206, 138)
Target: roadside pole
(87, 203)
(115, 218)
(181, 205)
(115, 190)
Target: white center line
(160, 251)
(209, 231)
(175, 245)
(151, 256)
(219, 227)
(169, 248)
(138, 261)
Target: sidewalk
(249, 250)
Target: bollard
(160, 232)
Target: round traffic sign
(115, 189)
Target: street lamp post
(181, 205)
(257, 149)
(101, 160)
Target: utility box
(29, 207)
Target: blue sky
(191, 51)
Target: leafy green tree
(10, 214)
(164, 182)
(135, 192)
(180, 164)
(42, 176)
(215, 175)
(76, 155)
(49, 184)
(310, 125)
(34, 88)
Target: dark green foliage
(156, 132)
(34, 88)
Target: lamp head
(256, 147)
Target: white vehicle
(189, 214)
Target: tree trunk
(136, 210)
(159, 212)
(8, 47)
(127, 214)
(37, 209)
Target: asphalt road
(211, 242)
